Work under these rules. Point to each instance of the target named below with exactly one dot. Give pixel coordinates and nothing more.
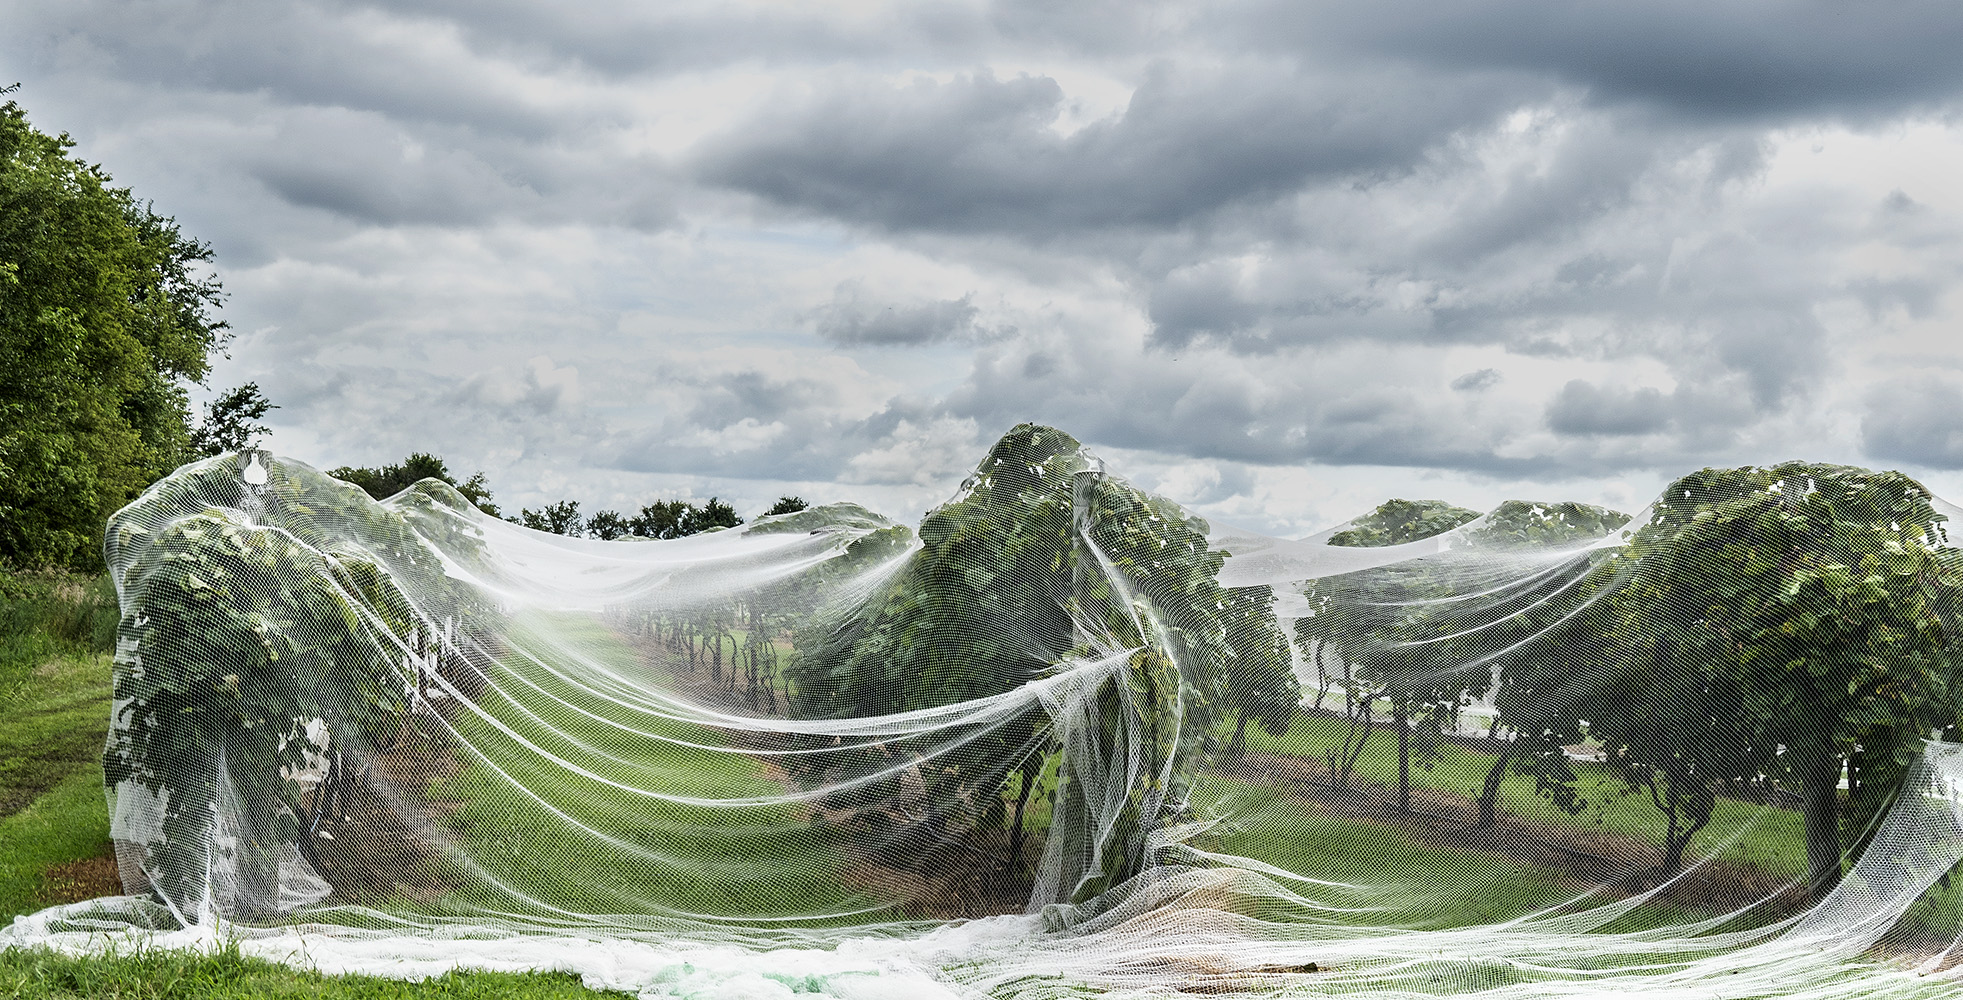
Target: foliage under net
(1064, 739)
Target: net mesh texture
(1064, 739)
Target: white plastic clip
(254, 474)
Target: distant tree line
(658, 520)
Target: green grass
(68, 823)
(35, 974)
(1401, 874)
(1769, 839)
(51, 803)
(623, 852)
(54, 725)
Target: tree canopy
(660, 519)
(786, 505)
(1790, 621)
(231, 421)
(107, 311)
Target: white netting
(1064, 739)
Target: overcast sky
(1276, 260)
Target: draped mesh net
(1064, 738)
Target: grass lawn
(1765, 838)
(1769, 839)
(56, 689)
(1400, 873)
(603, 848)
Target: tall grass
(45, 615)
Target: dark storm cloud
(1340, 417)
(1752, 60)
(1915, 420)
(1595, 169)
(979, 154)
(1202, 302)
(373, 116)
(627, 38)
(359, 166)
(365, 169)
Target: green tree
(386, 481)
(1378, 624)
(660, 519)
(713, 514)
(1790, 621)
(786, 505)
(1044, 560)
(1260, 682)
(1532, 634)
(236, 633)
(560, 518)
(106, 313)
(679, 518)
(607, 525)
(1529, 524)
(231, 421)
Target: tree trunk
(1673, 838)
(1673, 851)
(1819, 775)
(1403, 715)
(1346, 755)
(1022, 799)
(1238, 745)
(1490, 794)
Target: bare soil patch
(88, 878)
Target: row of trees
(108, 313)
(1784, 628)
(1406, 635)
(660, 519)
